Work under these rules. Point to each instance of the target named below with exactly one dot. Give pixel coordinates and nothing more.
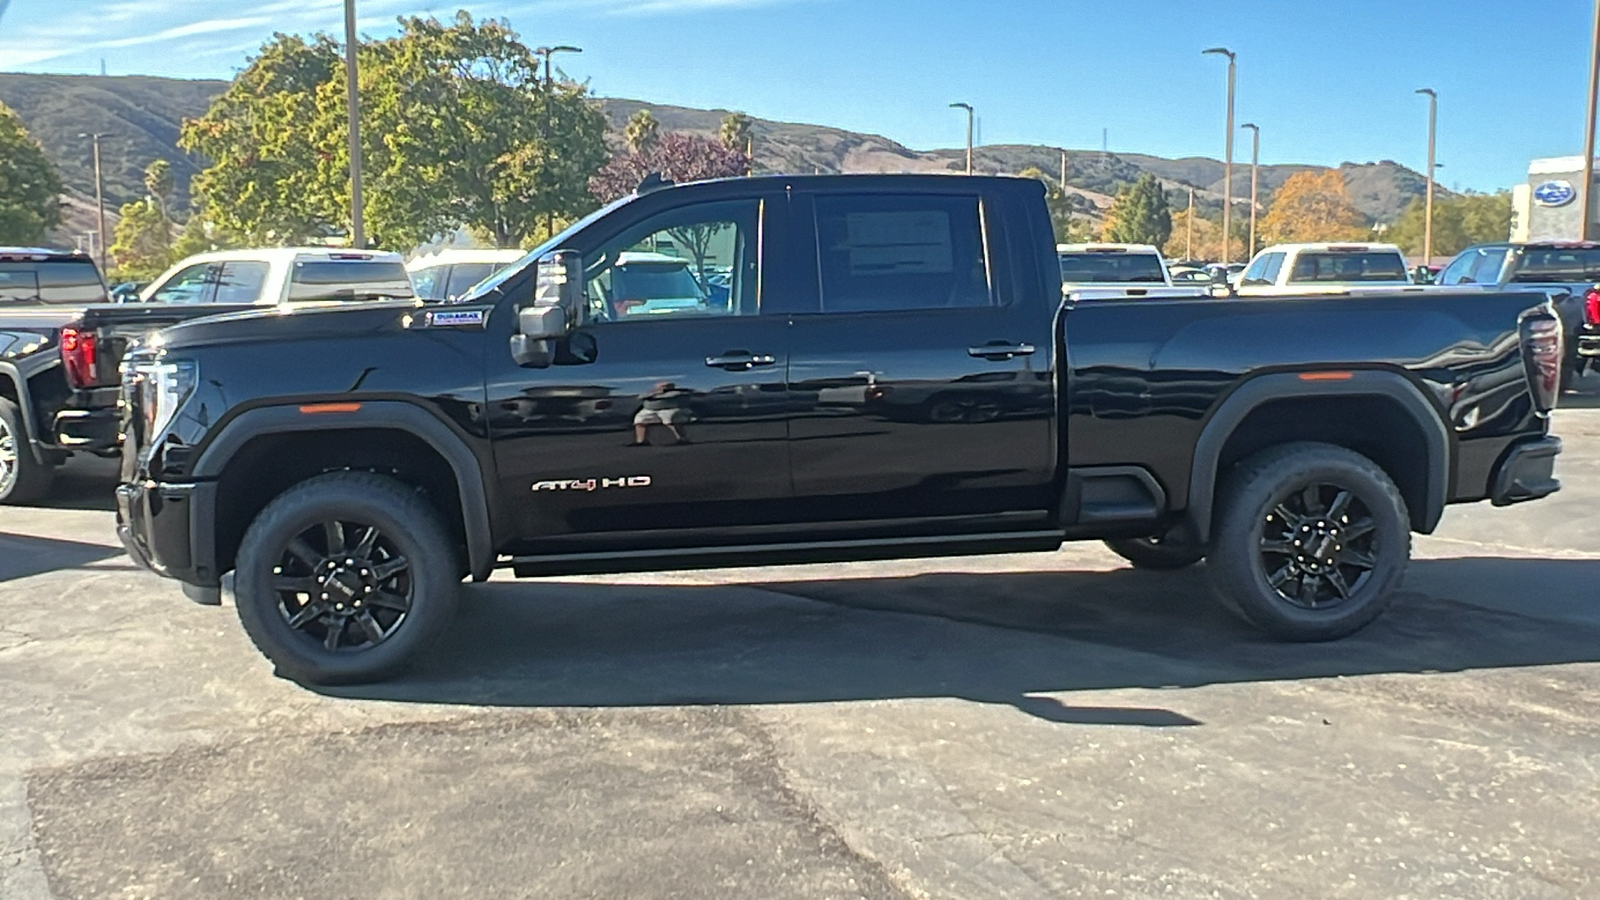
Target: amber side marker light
(314, 408)
(1312, 376)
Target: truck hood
(292, 323)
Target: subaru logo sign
(1554, 193)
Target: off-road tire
(409, 527)
(1157, 553)
(23, 479)
(1245, 557)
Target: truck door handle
(999, 351)
(740, 361)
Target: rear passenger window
(882, 252)
(241, 282)
(18, 284)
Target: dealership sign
(1554, 193)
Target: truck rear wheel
(1162, 553)
(1311, 542)
(345, 578)
(23, 479)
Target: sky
(1328, 81)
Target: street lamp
(99, 199)
(358, 235)
(1255, 162)
(968, 108)
(1586, 189)
(1227, 170)
(1427, 204)
(544, 133)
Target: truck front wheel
(345, 578)
(1311, 542)
(23, 479)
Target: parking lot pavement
(1043, 725)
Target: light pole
(99, 200)
(358, 234)
(1255, 163)
(1427, 204)
(1586, 189)
(544, 133)
(968, 108)
(1188, 240)
(1227, 166)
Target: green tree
(737, 132)
(142, 245)
(30, 189)
(1139, 215)
(268, 173)
(1459, 221)
(1070, 226)
(642, 132)
(458, 130)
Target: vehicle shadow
(996, 638)
(24, 555)
(87, 483)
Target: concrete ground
(1045, 725)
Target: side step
(613, 562)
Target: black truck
(776, 370)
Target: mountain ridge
(140, 116)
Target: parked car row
(62, 336)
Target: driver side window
(192, 285)
(695, 261)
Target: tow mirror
(557, 309)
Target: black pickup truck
(775, 370)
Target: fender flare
(399, 415)
(13, 373)
(1289, 385)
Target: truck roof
(290, 254)
(1333, 247)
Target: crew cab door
(922, 370)
(677, 423)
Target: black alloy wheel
(1310, 541)
(347, 577)
(343, 585)
(1317, 546)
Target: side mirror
(1422, 275)
(1220, 286)
(557, 308)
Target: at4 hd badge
(593, 484)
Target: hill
(139, 117)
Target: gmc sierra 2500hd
(809, 369)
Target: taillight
(1541, 357)
(78, 356)
(1591, 306)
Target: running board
(609, 563)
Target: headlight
(163, 387)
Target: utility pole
(358, 234)
(1188, 241)
(1227, 166)
(1064, 163)
(99, 201)
(968, 108)
(1255, 163)
(1427, 204)
(1586, 189)
(544, 133)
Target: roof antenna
(652, 182)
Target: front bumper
(167, 528)
(1527, 472)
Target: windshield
(532, 256)
(1558, 265)
(1102, 268)
(1381, 266)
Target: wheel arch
(470, 496)
(14, 387)
(1418, 459)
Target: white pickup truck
(275, 275)
(1324, 269)
(1114, 271)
